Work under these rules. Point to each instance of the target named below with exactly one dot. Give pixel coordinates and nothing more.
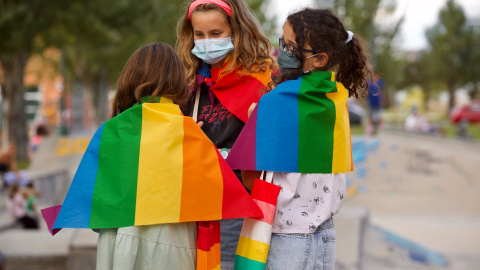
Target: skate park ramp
(422, 198)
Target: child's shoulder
(289, 84)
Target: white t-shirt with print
(307, 200)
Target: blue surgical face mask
(212, 50)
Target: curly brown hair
(324, 32)
(153, 70)
(252, 47)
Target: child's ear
(321, 60)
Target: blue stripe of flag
(79, 198)
(268, 154)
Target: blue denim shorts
(303, 251)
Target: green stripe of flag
(118, 173)
(315, 139)
(247, 264)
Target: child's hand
(200, 123)
(251, 108)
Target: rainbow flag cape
(151, 165)
(254, 242)
(301, 126)
(238, 92)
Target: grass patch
(23, 164)
(357, 130)
(447, 129)
(451, 130)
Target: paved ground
(425, 191)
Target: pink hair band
(219, 3)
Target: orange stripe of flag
(209, 197)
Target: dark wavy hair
(153, 70)
(325, 33)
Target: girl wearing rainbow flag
(228, 64)
(301, 132)
(149, 173)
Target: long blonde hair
(252, 47)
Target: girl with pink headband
(228, 63)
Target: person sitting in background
(415, 122)
(418, 123)
(30, 193)
(17, 206)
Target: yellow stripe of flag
(341, 155)
(150, 187)
(252, 249)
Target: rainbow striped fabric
(208, 245)
(237, 89)
(151, 165)
(254, 242)
(301, 126)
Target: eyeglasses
(290, 49)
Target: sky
(419, 15)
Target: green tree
(259, 8)
(448, 41)
(96, 38)
(104, 33)
(23, 25)
(419, 72)
(385, 54)
(372, 20)
(473, 68)
(357, 16)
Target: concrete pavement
(425, 190)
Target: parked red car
(469, 112)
